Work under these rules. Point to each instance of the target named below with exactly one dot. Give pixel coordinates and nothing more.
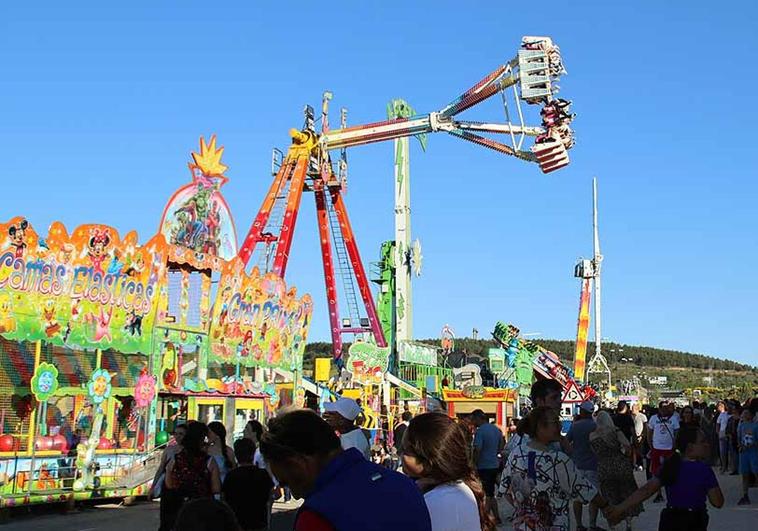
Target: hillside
(633, 354)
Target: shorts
(592, 477)
(488, 476)
(656, 459)
(674, 519)
(749, 461)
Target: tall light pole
(596, 262)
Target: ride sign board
(418, 353)
(497, 360)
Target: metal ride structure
(309, 166)
(589, 272)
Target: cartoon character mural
(367, 362)
(98, 247)
(256, 321)
(169, 377)
(197, 216)
(17, 234)
(65, 289)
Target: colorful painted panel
(197, 217)
(580, 354)
(417, 353)
(367, 362)
(257, 321)
(91, 289)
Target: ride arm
(533, 70)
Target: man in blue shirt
(488, 443)
(342, 490)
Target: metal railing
(121, 472)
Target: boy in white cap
(341, 417)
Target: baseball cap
(346, 407)
(587, 406)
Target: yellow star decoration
(209, 158)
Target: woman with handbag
(190, 475)
(168, 454)
(614, 467)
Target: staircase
(141, 471)
(343, 267)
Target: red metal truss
(290, 215)
(322, 216)
(255, 233)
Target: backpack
(191, 475)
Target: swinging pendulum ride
(308, 166)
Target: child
(688, 481)
(748, 448)
(247, 488)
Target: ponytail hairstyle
(442, 446)
(219, 429)
(672, 465)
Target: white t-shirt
(722, 419)
(356, 439)
(639, 423)
(664, 431)
(453, 507)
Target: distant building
(658, 380)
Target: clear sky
(101, 105)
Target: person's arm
(161, 470)
(649, 429)
(616, 514)
(232, 457)
(215, 477)
(716, 497)
(626, 447)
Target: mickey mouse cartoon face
(17, 233)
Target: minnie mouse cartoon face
(17, 233)
(98, 242)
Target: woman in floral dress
(614, 466)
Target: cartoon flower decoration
(99, 386)
(45, 381)
(144, 390)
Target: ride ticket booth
(497, 404)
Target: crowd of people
(437, 473)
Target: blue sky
(101, 106)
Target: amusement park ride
(107, 343)
(308, 166)
(589, 272)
